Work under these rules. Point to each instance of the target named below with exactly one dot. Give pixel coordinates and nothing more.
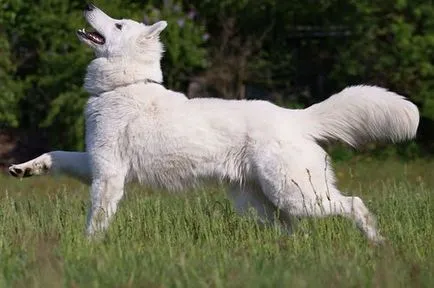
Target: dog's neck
(104, 75)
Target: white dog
(138, 129)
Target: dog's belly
(177, 160)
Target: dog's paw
(19, 171)
(378, 240)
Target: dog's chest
(129, 122)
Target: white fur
(74, 164)
(140, 130)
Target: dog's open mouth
(93, 36)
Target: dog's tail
(360, 114)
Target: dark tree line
(293, 53)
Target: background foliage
(294, 53)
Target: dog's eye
(119, 26)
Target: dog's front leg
(106, 191)
(74, 164)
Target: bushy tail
(360, 114)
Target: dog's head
(121, 38)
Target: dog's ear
(155, 29)
(150, 34)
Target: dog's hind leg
(306, 205)
(250, 196)
(355, 209)
(309, 192)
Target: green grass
(196, 240)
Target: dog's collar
(144, 81)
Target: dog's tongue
(96, 37)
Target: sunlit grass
(196, 239)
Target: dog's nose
(89, 7)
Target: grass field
(196, 240)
